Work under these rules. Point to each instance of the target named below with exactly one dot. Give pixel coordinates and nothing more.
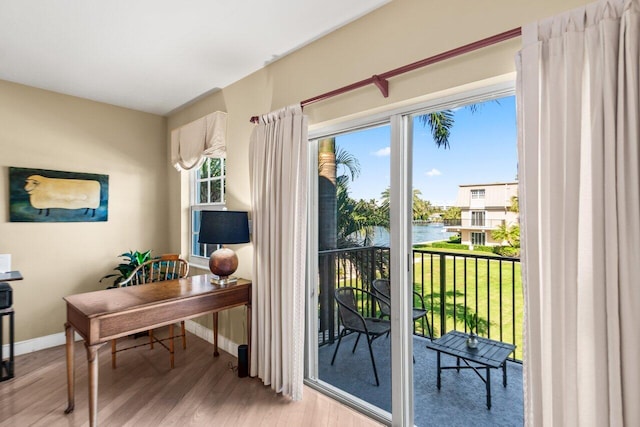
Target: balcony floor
(460, 402)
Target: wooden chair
(166, 267)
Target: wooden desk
(104, 315)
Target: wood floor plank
(144, 391)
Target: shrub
(481, 248)
(455, 239)
(445, 245)
(507, 251)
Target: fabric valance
(193, 142)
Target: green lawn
(464, 298)
(496, 281)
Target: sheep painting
(47, 193)
(57, 196)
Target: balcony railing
(473, 223)
(455, 289)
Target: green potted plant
(124, 269)
(472, 324)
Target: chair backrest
(347, 309)
(166, 267)
(382, 290)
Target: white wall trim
(35, 344)
(54, 340)
(206, 334)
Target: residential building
(484, 208)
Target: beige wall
(46, 130)
(399, 33)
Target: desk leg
(215, 335)
(249, 339)
(68, 329)
(92, 361)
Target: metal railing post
(443, 289)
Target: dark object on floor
(243, 360)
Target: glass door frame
(401, 256)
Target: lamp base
(223, 281)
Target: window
(477, 194)
(477, 238)
(208, 184)
(477, 218)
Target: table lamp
(222, 228)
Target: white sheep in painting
(46, 193)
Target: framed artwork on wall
(39, 195)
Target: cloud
(383, 152)
(433, 172)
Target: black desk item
(488, 355)
(6, 296)
(6, 301)
(6, 366)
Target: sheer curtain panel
(278, 161)
(579, 115)
(205, 137)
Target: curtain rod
(381, 80)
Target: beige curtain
(195, 141)
(278, 174)
(579, 115)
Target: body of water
(420, 233)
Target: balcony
(454, 287)
(467, 223)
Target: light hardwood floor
(143, 391)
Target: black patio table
(489, 354)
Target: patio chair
(382, 290)
(352, 321)
(166, 267)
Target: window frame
(479, 233)
(478, 218)
(478, 194)
(195, 182)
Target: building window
(477, 238)
(477, 194)
(208, 185)
(477, 218)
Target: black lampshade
(223, 227)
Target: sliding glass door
(375, 295)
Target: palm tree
(440, 124)
(509, 234)
(327, 194)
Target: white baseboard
(35, 344)
(206, 334)
(53, 340)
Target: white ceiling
(156, 55)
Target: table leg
(215, 335)
(488, 388)
(504, 373)
(92, 362)
(438, 364)
(68, 329)
(11, 341)
(171, 347)
(249, 339)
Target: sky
(482, 150)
